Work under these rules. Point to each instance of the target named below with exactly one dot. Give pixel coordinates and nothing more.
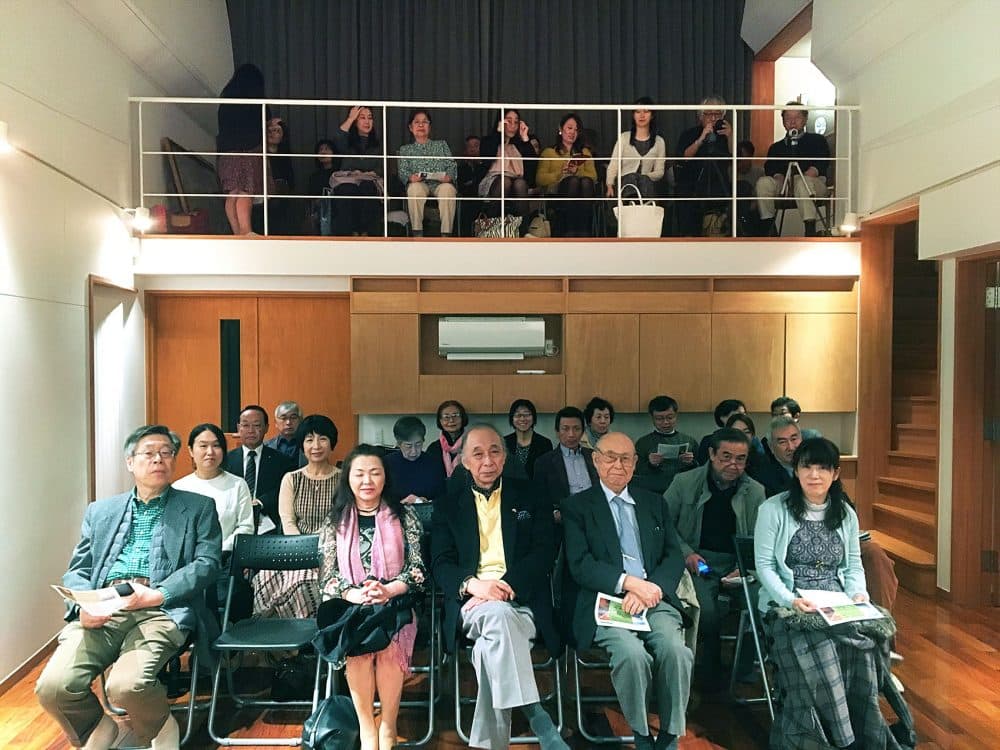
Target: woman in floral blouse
(371, 555)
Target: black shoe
(644, 741)
(667, 742)
(810, 228)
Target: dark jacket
(809, 148)
(540, 445)
(273, 466)
(594, 555)
(529, 549)
(551, 478)
(490, 145)
(767, 470)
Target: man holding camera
(798, 158)
(706, 171)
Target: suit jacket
(551, 478)
(540, 445)
(184, 558)
(526, 521)
(273, 466)
(594, 555)
(300, 459)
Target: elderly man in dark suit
(262, 467)
(619, 541)
(569, 468)
(167, 545)
(491, 555)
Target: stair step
(916, 517)
(919, 357)
(907, 465)
(914, 382)
(915, 410)
(917, 285)
(917, 438)
(916, 569)
(906, 307)
(912, 526)
(910, 484)
(910, 494)
(914, 332)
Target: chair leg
(595, 739)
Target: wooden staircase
(905, 510)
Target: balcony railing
(839, 201)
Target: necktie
(250, 473)
(628, 538)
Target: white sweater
(653, 164)
(232, 502)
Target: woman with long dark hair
(567, 170)
(370, 544)
(806, 540)
(641, 152)
(241, 169)
(513, 164)
(524, 445)
(359, 179)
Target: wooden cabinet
(821, 361)
(546, 392)
(384, 363)
(748, 358)
(473, 392)
(602, 359)
(675, 359)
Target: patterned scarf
(452, 454)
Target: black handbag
(332, 726)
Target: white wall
(63, 91)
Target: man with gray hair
(287, 418)
(774, 470)
(161, 547)
(491, 553)
(705, 166)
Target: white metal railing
(842, 199)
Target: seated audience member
(470, 168)
(569, 468)
(282, 214)
(707, 507)
(655, 471)
(723, 411)
(567, 171)
(785, 406)
(524, 445)
(496, 589)
(166, 544)
(598, 415)
(619, 540)
(233, 504)
(775, 468)
(513, 167)
(240, 169)
(806, 539)
(641, 153)
(359, 179)
(808, 150)
(705, 169)
(745, 424)
(287, 417)
(304, 502)
(319, 179)
(370, 545)
(427, 168)
(260, 466)
(747, 174)
(452, 419)
(415, 476)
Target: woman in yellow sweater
(567, 170)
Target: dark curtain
(545, 51)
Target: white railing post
(142, 158)
(734, 174)
(263, 156)
(385, 173)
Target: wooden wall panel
(305, 356)
(474, 393)
(384, 363)
(675, 359)
(821, 361)
(602, 359)
(748, 358)
(546, 392)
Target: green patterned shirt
(133, 562)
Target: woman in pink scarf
(371, 554)
(452, 418)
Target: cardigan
(653, 164)
(550, 168)
(772, 534)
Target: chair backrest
(743, 546)
(275, 552)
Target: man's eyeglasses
(615, 458)
(450, 416)
(729, 458)
(250, 425)
(288, 418)
(414, 446)
(164, 453)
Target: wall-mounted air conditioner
(498, 337)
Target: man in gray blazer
(708, 506)
(167, 545)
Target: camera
(719, 125)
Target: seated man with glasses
(416, 477)
(707, 507)
(288, 417)
(619, 541)
(167, 545)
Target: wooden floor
(951, 674)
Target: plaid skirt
(286, 594)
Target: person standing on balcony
(241, 169)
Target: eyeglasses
(421, 122)
(450, 416)
(412, 446)
(288, 418)
(614, 458)
(251, 425)
(729, 458)
(164, 453)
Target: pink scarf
(388, 557)
(452, 454)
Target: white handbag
(639, 219)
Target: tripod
(709, 178)
(786, 189)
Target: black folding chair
(749, 623)
(299, 552)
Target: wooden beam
(788, 37)
(762, 120)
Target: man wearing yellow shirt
(492, 552)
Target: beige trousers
(768, 189)
(416, 199)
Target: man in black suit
(491, 550)
(570, 467)
(260, 466)
(619, 541)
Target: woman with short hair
(427, 168)
(452, 419)
(417, 477)
(524, 445)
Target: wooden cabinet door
(305, 356)
(602, 359)
(384, 363)
(748, 358)
(185, 382)
(546, 392)
(474, 392)
(821, 361)
(675, 359)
